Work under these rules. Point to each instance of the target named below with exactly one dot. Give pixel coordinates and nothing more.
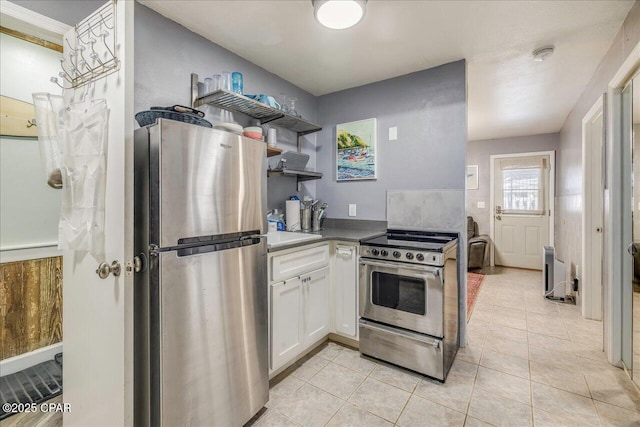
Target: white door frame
(591, 289)
(552, 194)
(616, 204)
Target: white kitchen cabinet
(345, 289)
(299, 261)
(315, 293)
(287, 317)
(299, 305)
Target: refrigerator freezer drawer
(204, 182)
(211, 347)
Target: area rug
(474, 282)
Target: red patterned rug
(474, 282)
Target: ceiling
(509, 93)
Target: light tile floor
(528, 362)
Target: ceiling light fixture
(338, 14)
(543, 53)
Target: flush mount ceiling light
(543, 53)
(338, 14)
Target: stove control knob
(409, 255)
(384, 252)
(420, 257)
(396, 254)
(375, 252)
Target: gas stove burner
(416, 247)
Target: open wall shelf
(232, 101)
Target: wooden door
(521, 210)
(98, 313)
(316, 305)
(286, 321)
(346, 290)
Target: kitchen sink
(281, 238)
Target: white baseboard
(23, 361)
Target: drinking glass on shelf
(216, 82)
(226, 80)
(292, 106)
(236, 82)
(283, 99)
(208, 86)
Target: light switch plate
(352, 209)
(393, 133)
(480, 205)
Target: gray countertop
(341, 231)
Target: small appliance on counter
(409, 300)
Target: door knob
(105, 269)
(498, 217)
(632, 249)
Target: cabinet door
(316, 304)
(346, 290)
(286, 321)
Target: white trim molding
(32, 23)
(17, 363)
(615, 206)
(591, 287)
(552, 194)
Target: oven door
(404, 295)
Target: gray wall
(166, 54)
(429, 109)
(569, 181)
(479, 153)
(69, 12)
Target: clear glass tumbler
(226, 80)
(216, 82)
(292, 106)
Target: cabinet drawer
(300, 262)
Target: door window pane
(399, 292)
(522, 191)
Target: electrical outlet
(352, 209)
(480, 205)
(393, 133)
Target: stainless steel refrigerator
(201, 356)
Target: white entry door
(521, 209)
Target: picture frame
(472, 177)
(356, 151)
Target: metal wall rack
(234, 102)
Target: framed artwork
(472, 177)
(356, 150)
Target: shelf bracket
(194, 89)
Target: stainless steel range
(409, 300)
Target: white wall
(479, 153)
(29, 208)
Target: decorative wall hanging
(472, 177)
(356, 150)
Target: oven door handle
(400, 333)
(423, 269)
